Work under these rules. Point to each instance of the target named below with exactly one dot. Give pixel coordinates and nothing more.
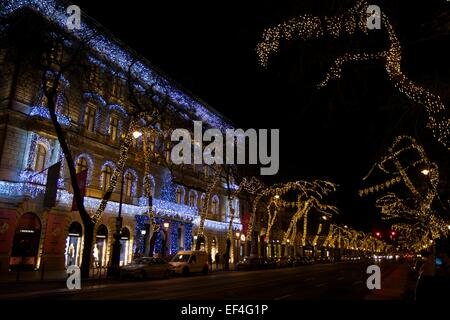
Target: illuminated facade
(94, 121)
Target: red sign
(245, 221)
(7, 228)
(54, 236)
(81, 180)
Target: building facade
(95, 118)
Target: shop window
(73, 245)
(124, 246)
(26, 242)
(100, 246)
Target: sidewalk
(47, 276)
(393, 285)
(61, 275)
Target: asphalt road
(320, 281)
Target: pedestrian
(217, 260)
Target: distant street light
(425, 172)
(324, 217)
(137, 134)
(277, 197)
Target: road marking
(310, 278)
(341, 278)
(321, 285)
(356, 283)
(280, 298)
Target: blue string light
(119, 56)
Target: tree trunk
(226, 263)
(85, 217)
(88, 241)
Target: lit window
(113, 127)
(128, 184)
(117, 88)
(192, 199)
(215, 205)
(41, 154)
(89, 118)
(106, 177)
(179, 196)
(81, 165)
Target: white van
(185, 262)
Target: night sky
(334, 133)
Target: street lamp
(166, 226)
(137, 134)
(277, 196)
(425, 172)
(115, 257)
(324, 217)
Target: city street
(345, 280)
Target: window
(215, 205)
(106, 177)
(179, 196)
(89, 118)
(128, 184)
(81, 165)
(113, 127)
(192, 199)
(41, 154)
(117, 88)
(94, 75)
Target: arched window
(215, 205)
(202, 201)
(113, 127)
(180, 195)
(81, 165)
(129, 184)
(89, 117)
(192, 198)
(41, 154)
(106, 177)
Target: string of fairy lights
(307, 27)
(412, 212)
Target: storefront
(26, 243)
(125, 247)
(73, 245)
(100, 247)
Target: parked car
(145, 267)
(185, 262)
(308, 260)
(272, 262)
(251, 263)
(284, 262)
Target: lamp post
(115, 257)
(166, 226)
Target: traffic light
(393, 233)
(378, 234)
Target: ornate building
(94, 119)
